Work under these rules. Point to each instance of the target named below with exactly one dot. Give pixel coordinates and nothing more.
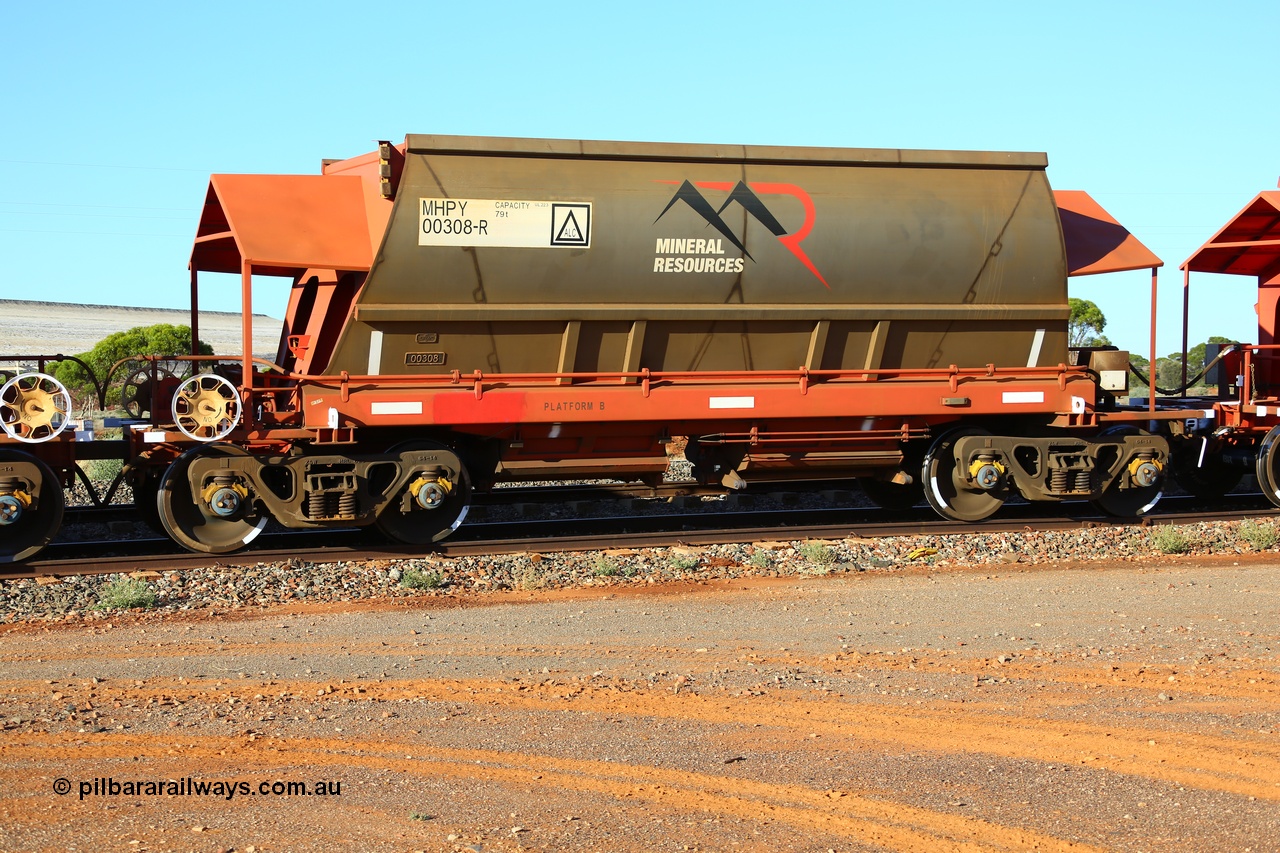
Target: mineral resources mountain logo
(709, 254)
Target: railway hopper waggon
(464, 311)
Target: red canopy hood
(1096, 242)
(1247, 245)
(283, 224)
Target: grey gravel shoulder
(268, 584)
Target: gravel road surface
(1129, 706)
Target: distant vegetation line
(33, 302)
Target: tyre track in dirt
(664, 732)
(1215, 763)
(1242, 684)
(844, 814)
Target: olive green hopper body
(566, 257)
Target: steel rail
(493, 538)
(546, 494)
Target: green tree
(1138, 388)
(1169, 371)
(1195, 355)
(1169, 368)
(160, 339)
(1085, 326)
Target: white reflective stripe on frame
(407, 407)
(732, 402)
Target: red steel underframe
(465, 399)
(1066, 395)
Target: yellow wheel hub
(207, 408)
(34, 407)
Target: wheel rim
(420, 525)
(945, 486)
(137, 395)
(1268, 466)
(206, 407)
(29, 527)
(193, 525)
(34, 407)
(1131, 502)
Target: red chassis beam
(300, 406)
(475, 399)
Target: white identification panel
(504, 222)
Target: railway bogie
(218, 497)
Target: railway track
(546, 495)
(606, 532)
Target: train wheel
(435, 501)
(1209, 481)
(889, 495)
(25, 529)
(220, 520)
(34, 407)
(947, 488)
(206, 407)
(137, 395)
(1134, 501)
(1268, 466)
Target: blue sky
(115, 114)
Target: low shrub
(1171, 539)
(1261, 537)
(126, 594)
(818, 554)
(417, 579)
(532, 578)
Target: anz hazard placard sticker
(504, 223)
